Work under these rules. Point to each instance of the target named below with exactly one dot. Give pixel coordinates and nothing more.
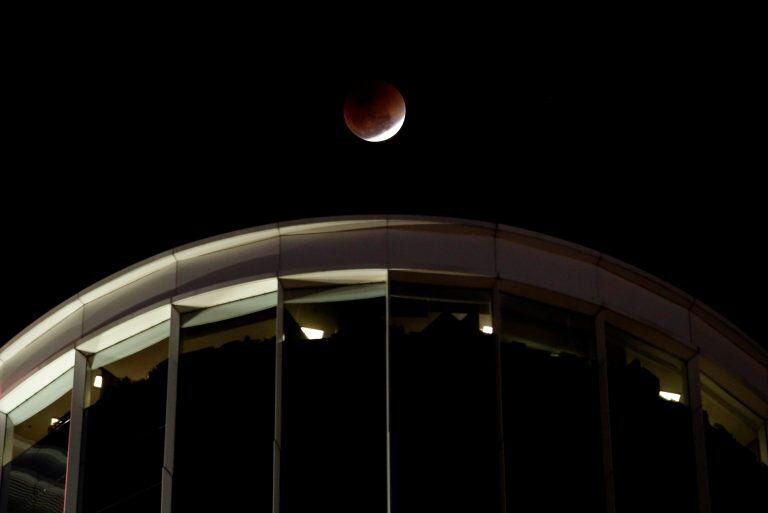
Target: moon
(374, 111)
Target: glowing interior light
(312, 334)
(488, 330)
(669, 396)
(98, 381)
(54, 421)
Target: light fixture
(312, 334)
(488, 330)
(54, 421)
(38, 330)
(230, 294)
(98, 381)
(37, 382)
(225, 243)
(670, 396)
(126, 329)
(127, 278)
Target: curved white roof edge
(451, 245)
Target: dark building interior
(477, 420)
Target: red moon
(374, 111)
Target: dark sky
(120, 148)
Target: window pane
(551, 409)
(124, 425)
(654, 468)
(738, 480)
(225, 408)
(443, 401)
(334, 400)
(35, 459)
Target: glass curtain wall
(737, 458)
(651, 430)
(35, 450)
(124, 425)
(333, 442)
(399, 397)
(443, 400)
(550, 408)
(225, 408)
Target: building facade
(382, 364)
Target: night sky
(126, 147)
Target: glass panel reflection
(334, 399)
(225, 408)
(124, 425)
(550, 407)
(653, 458)
(738, 480)
(35, 451)
(443, 400)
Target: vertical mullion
(697, 425)
(277, 441)
(3, 427)
(496, 323)
(387, 397)
(5, 456)
(174, 350)
(75, 443)
(605, 415)
(764, 443)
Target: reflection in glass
(35, 451)
(550, 407)
(738, 480)
(654, 466)
(225, 408)
(124, 425)
(334, 400)
(443, 401)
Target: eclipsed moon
(374, 111)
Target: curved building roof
(247, 262)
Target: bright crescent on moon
(374, 111)
(388, 133)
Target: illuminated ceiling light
(42, 326)
(195, 250)
(126, 278)
(54, 421)
(229, 294)
(670, 396)
(126, 329)
(488, 330)
(332, 226)
(37, 381)
(312, 334)
(98, 381)
(342, 277)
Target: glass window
(334, 399)
(550, 408)
(35, 451)
(443, 400)
(738, 479)
(653, 456)
(225, 408)
(124, 424)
